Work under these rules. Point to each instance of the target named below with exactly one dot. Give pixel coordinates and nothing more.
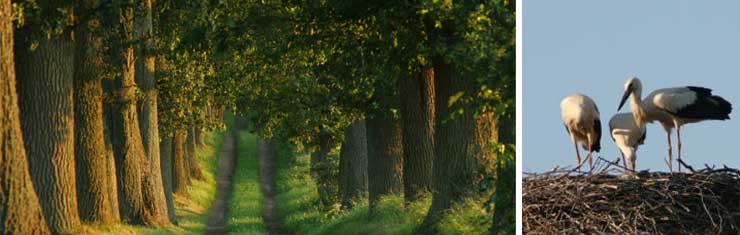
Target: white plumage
(581, 119)
(673, 107)
(628, 136)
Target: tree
(95, 199)
(321, 172)
(192, 156)
(126, 137)
(153, 190)
(180, 172)
(20, 212)
(353, 165)
(384, 158)
(165, 153)
(46, 64)
(473, 63)
(417, 122)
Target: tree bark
(165, 150)
(21, 211)
(110, 155)
(320, 170)
(180, 174)
(194, 170)
(463, 150)
(126, 136)
(353, 165)
(92, 160)
(417, 122)
(154, 197)
(47, 121)
(384, 158)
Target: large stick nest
(706, 201)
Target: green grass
(245, 206)
(298, 205)
(191, 209)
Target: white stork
(628, 136)
(673, 107)
(581, 119)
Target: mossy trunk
(153, 189)
(21, 211)
(166, 163)
(180, 173)
(417, 122)
(45, 97)
(384, 158)
(94, 197)
(353, 165)
(463, 149)
(126, 136)
(321, 171)
(195, 170)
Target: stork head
(632, 86)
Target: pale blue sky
(593, 46)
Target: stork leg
(578, 154)
(624, 162)
(669, 160)
(632, 161)
(678, 139)
(590, 153)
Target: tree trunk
(320, 171)
(180, 174)
(165, 150)
(463, 150)
(126, 136)
(45, 82)
(195, 171)
(21, 211)
(110, 155)
(199, 137)
(353, 165)
(384, 158)
(93, 171)
(417, 121)
(153, 190)
(504, 199)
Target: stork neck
(638, 111)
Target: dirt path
(217, 214)
(267, 181)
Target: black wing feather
(642, 138)
(706, 106)
(596, 145)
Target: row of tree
(103, 106)
(419, 94)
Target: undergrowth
(299, 206)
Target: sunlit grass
(191, 209)
(245, 206)
(298, 205)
